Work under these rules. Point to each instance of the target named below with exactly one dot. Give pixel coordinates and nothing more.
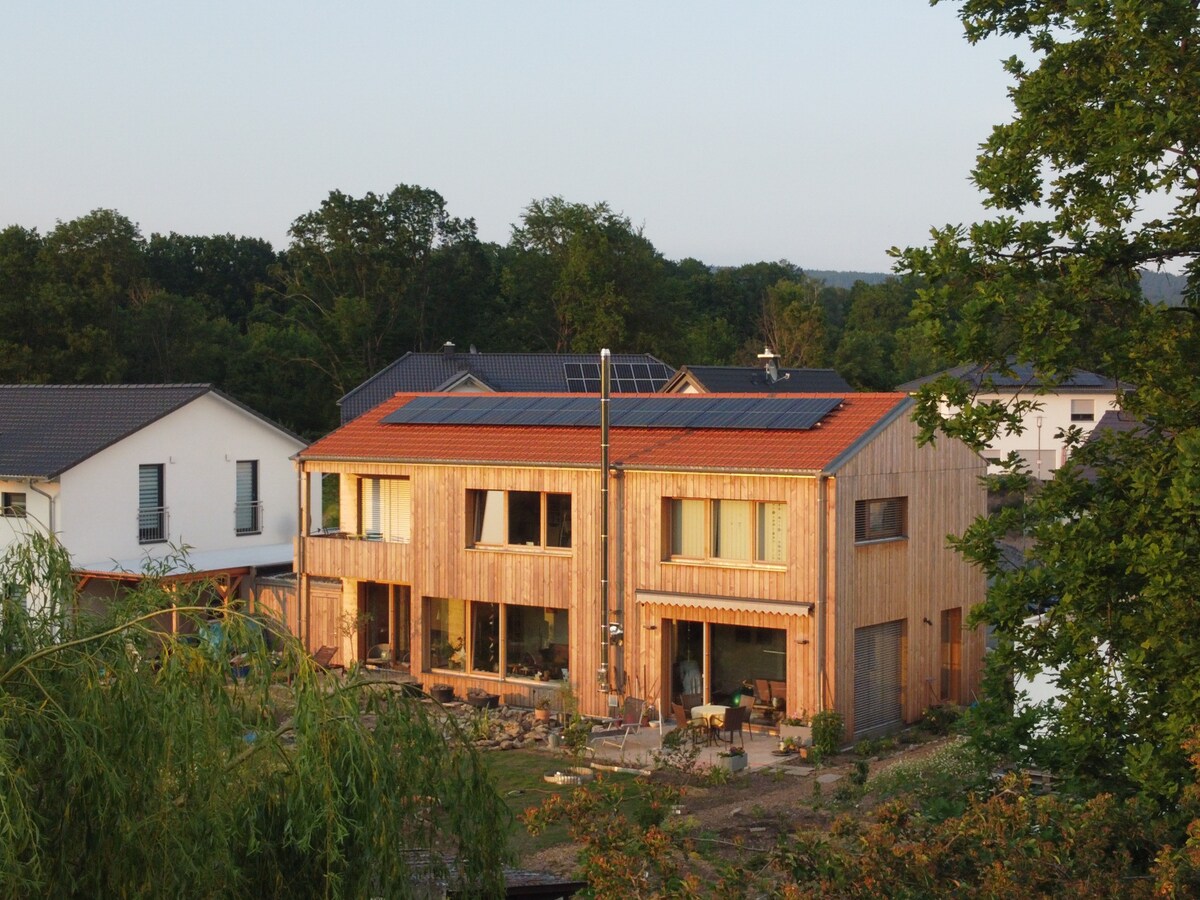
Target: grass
(518, 776)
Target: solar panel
(758, 413)
(624, 378)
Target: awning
(728, 604)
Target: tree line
(366, 279)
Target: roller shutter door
(878, 678)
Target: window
(467, 636)
(519, 519)
(730, 530)
(12, 504)
(247, 515)
(1083, 410)
(152, 514)
(880, 520)
(385, 509)
(535, 642)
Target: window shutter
(877, 678)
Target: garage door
(878, 678)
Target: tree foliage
(1095, 176)
(134, 764)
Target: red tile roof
(368, 438)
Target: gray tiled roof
(504, 372)
(753, 379)
(1022, 378)
(46, 429)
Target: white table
(714, 716)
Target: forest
(366, 279)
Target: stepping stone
(828, 778)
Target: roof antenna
(771, 365)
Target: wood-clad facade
(718, 577)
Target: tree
(134, 764)
(793, 322)
(360, 279)
(580, 277)
(1097, 174)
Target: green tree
(360, 279)
(135, 765)
(793, 322)
(1096, 174)
(581, 277)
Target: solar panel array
(625, 378)
(768, 413)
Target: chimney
(448, 349)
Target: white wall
(37, 511)
(1055, 414)
(199, 446)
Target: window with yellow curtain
(772, 533)
(731, 529)
(687, 528)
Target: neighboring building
(799, 538)
(765, 379)
(1079, 400)
(452, 371)
(127, 473)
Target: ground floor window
(494, 638)
(720, 662)
(385, 625)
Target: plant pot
(482, 700)
(442, 693)
(801, 734)
(734, 763)
(541, 714)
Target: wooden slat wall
(913, 579)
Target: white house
(123, 474)
(1080, 400)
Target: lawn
(518, 775)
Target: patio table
(714, 716)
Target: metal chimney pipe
(602, 673)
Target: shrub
(828, 728)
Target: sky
(734, 132)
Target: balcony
(247, 517)
(152, 524)
(338, 554)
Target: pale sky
(822, 133)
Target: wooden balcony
(338, 555)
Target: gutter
(49, 501)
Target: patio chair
(687, 701)
(735, 719)
(323, 659)
(379, 655)
(617, 735)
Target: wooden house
(796, 539)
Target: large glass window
(519, 519)
(490, 638)
(730, 530)
(535, 642)
(485, 637)
(446, 633)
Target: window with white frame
(12, 503)
(385, 509)
(746, 531)
(519, 519)
(247, 515)
(880, 520)
(1083, 410)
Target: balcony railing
(152, 524)
(247, 517)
